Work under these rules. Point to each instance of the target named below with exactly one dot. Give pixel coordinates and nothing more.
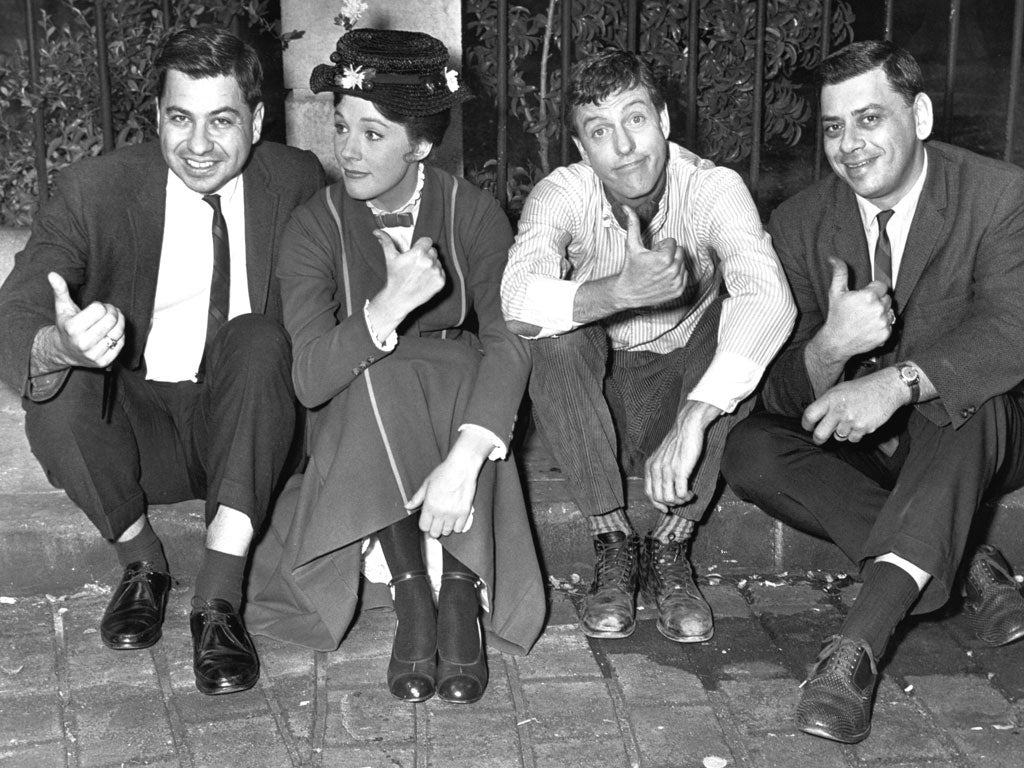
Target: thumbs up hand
(88, 338)
(414, 277)
(649, 277)
(858, 321)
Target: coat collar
(261, 212)
(925, 228)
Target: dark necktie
(883, 250)
(220, 283)
(393, 219)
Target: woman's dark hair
(211, 52)
(597, 77)
(900, 67)
(429, 128)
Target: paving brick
(647, 683)
(89, 662)
(901, 729)
(119, 724)
(281, 660)
(725, 601)
(962, 701)
(790, 749)
(991, 748)
(29, 718)
(389, 754)
(569, 710)
(295, 696)
(32, 756)
(923, 647)
(26, 654)
(370, 715)
(470, 737)
(787, 599)
(674, 736)
(196, 708)
(252, 742)
(560, 652)
(581, 753)
(756, 706)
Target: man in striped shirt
(656, 302)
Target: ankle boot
(461, 660)
(412, 679)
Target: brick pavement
(65, 700)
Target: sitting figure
(655, 302)
(142, 325)
(895, 409)
(390, 284)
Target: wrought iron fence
(632, 14)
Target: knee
(256, 334)
(581, 349)
(752, 457)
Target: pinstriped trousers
(602, 412)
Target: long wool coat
(381, 421)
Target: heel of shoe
(411, 680)
(462, 683)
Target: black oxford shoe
(994, 604)
(837, 697)
(135, 613)
(223, 656)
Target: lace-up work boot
(666, 578)
(610, 606)
(994, 604)
(836, 702)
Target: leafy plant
(68, 91)
(725, 69)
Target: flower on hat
(451, 79)
(353, 77)
(351, 11)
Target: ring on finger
(892, 317)
(841, 435)
(111, 343)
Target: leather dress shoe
(411, 680)
(836, 700)
(457, 682)
(994, 604)
(609, 609)
(666, 579)
(223, 656)
(135, 613)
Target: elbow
(526, 330)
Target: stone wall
(309, 116)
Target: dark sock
(884, 600)
(145, 546)
(220, 576)
(415, 637)
(458, 609)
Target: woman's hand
(414, 277)
(446, 496)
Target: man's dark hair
(900, 68)
(597, 77)
(211, 52)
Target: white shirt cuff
(728, 381)
(549, 304)
(384, 345)
(500, 449)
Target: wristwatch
(910, 376)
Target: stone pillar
(309, 116)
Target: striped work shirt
(568, 236)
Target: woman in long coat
(390, 280)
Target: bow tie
(393, 219)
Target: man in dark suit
(895, 409)
(142, 325)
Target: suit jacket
(103, 230)
(959, 294)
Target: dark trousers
(918, 503)
(225, 439)
(603, 411)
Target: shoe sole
(824, 734)
(133, 646)
(220, 690)
(599, 635)
(677, 638)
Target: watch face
(908, 374)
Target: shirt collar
(178, 189)
(412, 204)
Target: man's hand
(88, 338)
(858, 321)
(649, 278)
(667, 472)
(852, 409)
(414, 277)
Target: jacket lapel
(848, 241)
(925, 230)
(261, 211)
(146, 214)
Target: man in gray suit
(895, 410)
(142, 326)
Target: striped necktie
(883, 250)
(220, 283)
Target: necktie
(393, 219)
(220, 282)
(883, 250)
